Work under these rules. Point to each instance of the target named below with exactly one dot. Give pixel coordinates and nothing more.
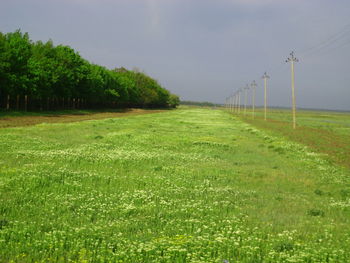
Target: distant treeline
(198, 103)
(37, 75)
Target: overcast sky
(204, 50)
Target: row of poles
(233, 102)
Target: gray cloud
(204, 49)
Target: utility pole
(293, 59)
(233, 103)
(245, 98)
(253, 86)
(239, 101)
(265, 77)
(236, 100)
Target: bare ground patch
(20, 121)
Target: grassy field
(325, 132)
(191, 185)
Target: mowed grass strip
(191, 185)
(323, 131)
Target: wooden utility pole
(245, 98)
(239, 100)
(265, 77)
(293, 59)
(253, 86)
(236, 101)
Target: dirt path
(20, 121)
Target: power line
(333, 42)
(344, 32)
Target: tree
(4, 67)
(47, 71)
(42, 69)
(173, 101)
(17, 53)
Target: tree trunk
(25, 102)
(53, 103)
(8, 102)
(17, 103)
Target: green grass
(323, 131)
(191, 185)
(335, 121)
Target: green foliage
(199, 103)
(4, 63)
(315, 212)
(15, 54)
(43, 70)
(174, 100)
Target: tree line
(37, 75)
(200, 103)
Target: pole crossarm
(292, 58)
(265, 76)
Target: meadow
(188, 185)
